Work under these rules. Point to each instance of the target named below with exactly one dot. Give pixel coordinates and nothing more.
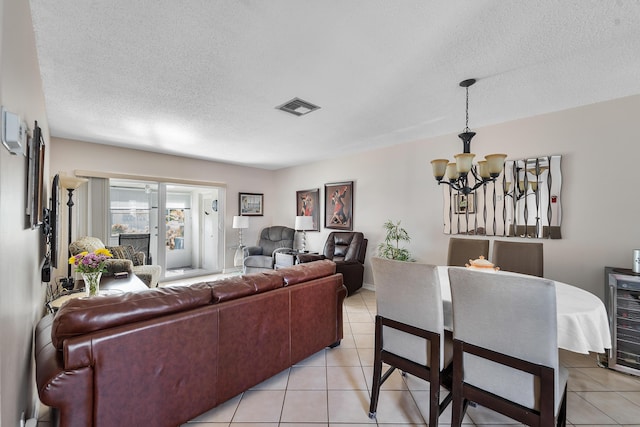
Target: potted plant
(391, 247)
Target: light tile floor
(332, 388)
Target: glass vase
(92, 283)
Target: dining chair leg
(434, 404)
(562, 414)
(458, 405)
(377, 369)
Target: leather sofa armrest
(302, 258)
(345, 263)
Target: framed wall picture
(338, 205)
(35, 185)
(464, 203)
(308, 204)
(251, 204)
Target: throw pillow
(124, 252)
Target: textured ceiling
(202, 78)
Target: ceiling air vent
(297, 107)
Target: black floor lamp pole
(70, 204)
(70, 183)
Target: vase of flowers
(91, 265)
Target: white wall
(68, 156)
(396, 183)
(21, 248)
(599, 168)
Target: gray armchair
(272, 240)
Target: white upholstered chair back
(512, 314)
(409, 292)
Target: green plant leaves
(391, 247)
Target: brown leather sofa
(162, 356)
(347, 250)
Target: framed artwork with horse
(338, 205)
(308, 204)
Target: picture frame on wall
(251, 204)
(35, 179)
(338, 205)
(464, 203)
(308, 204)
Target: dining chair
(462, 250)
(505, 347)
(409, 330)
(519, 257)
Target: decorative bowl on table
(482, 264)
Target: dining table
(583, 325)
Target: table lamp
(239, 222)
(304, 223)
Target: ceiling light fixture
(297, 107)
(457, 173)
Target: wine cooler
(622, 299)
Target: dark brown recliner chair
(347, 250)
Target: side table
(288, 259)
(285, 259)
(108, 285)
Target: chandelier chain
(466, 123)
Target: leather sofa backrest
(305, 272)
(84, 315)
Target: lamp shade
(464, 162)
(71, 182)
(240, 222)
(495, 163)
(304, 223)
(439, 167)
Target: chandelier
(527, 175)
(457, 173)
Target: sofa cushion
(264, 281)
(125, 252)
(307, 271)
(240, 286)
(83, 315)
(229, 289)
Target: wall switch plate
(13, 133)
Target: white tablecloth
(583, 325)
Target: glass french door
(183, 221)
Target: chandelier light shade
(457, 173)
(304, 223)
